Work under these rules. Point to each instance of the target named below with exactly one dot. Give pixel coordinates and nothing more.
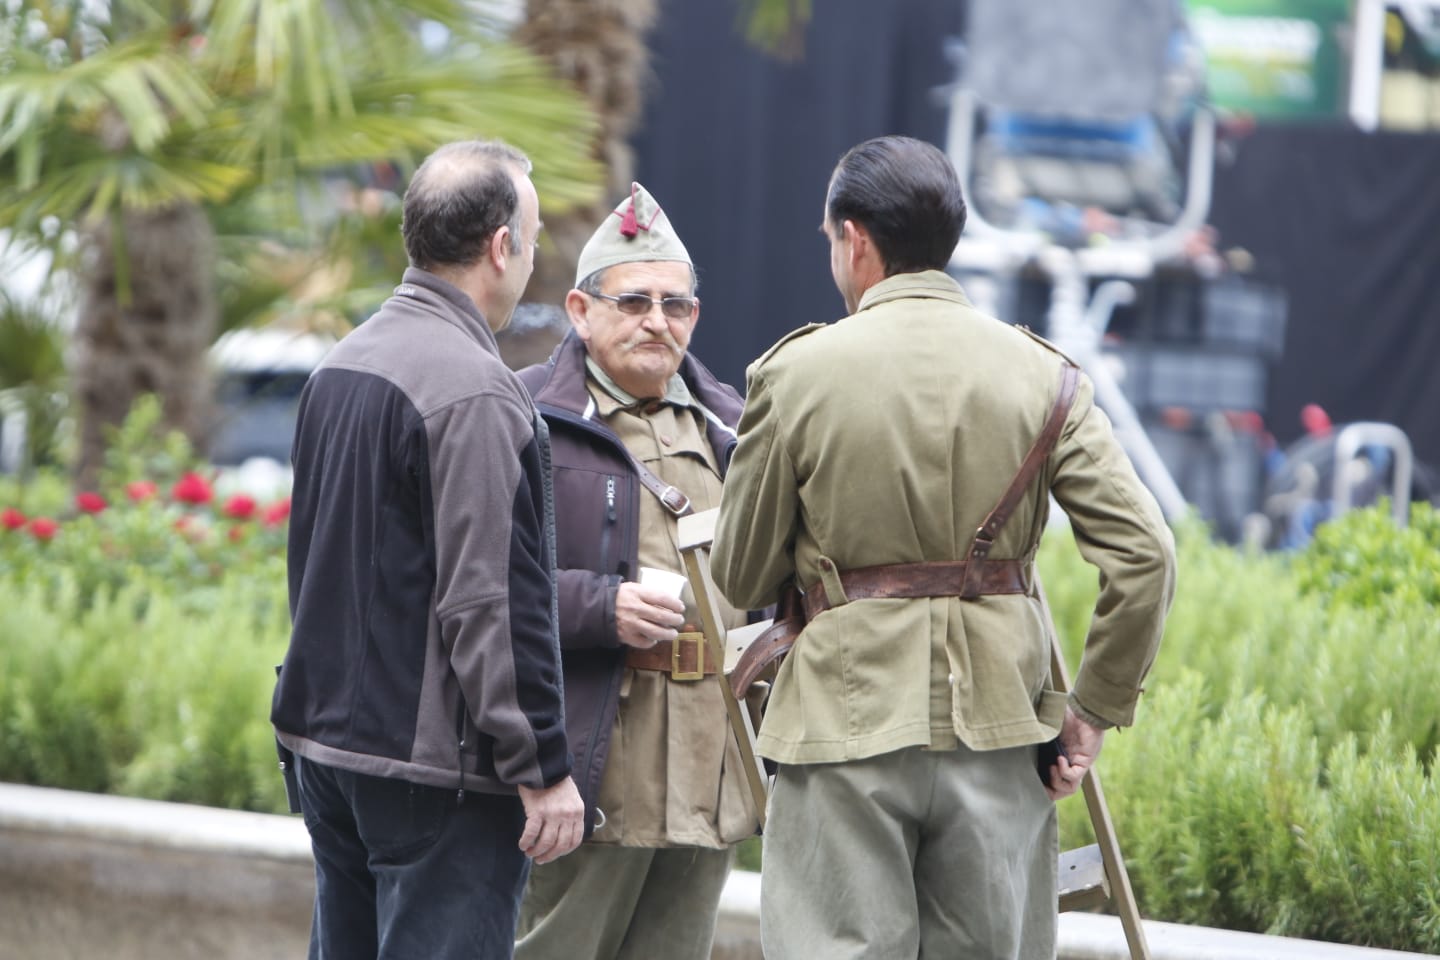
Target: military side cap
(635, 231)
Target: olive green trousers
(941, 855)
(605, 902)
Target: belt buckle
(687, 675)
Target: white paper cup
(671, 583)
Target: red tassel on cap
(629, 226)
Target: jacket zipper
(460, 755)
(610, 520)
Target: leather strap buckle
(675, 500)
(677, 672)
(974, 561)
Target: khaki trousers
(942, 855)
(605, 902)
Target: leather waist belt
(940, 578)
(684, 658)
(975, 576)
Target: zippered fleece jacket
(598, 504)
(421, 558)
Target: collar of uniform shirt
(676, 392)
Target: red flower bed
(241, 506)
(90, 502)
(200, 520)
(192, 488)
(43, 528)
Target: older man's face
(640, 353)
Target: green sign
(1273, 58)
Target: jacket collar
(934, 284)
(448, 302)
(676, 392)
(563, 386)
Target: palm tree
(600, 49)
(32, 369)
(134, 124)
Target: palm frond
(305, 46)
(93, 187)
(258, 97)
(141, 80)
(495, 91)
(32, 346)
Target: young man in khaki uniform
(637, 428)
(907, 817)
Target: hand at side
(1082, 742)
(554, 821)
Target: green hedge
(1279, 775)
(143, 692)
(1278, 779)
(139, 628)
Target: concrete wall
(95, 876)
(92, 876)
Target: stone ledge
(92, 875)
(151, 823)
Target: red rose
(140, 490)
(277, 513)
(192, 488)
(90, 502)
(240, 506)
(12, 519)
(43, 528)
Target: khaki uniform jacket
(887, 438)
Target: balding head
(459, 197)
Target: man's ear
(577, 308)
(499, 251)
(857, 241)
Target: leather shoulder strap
(1029, 467)
(671, 497)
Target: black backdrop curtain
(1349, 225)
(737, 146)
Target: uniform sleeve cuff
(1094, 719)
(612, 593)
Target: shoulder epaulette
(1044, 343)
(792, 335)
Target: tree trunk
(599, 47)
(151, 338)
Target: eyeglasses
(638, 304)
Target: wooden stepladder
(1089, 877)
(1095, 875)
(696, 533)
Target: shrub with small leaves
(1361, 559)
(1280, 774)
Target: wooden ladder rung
(1083, 885)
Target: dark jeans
(403, 872)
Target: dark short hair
(905, 194)
(459, 197)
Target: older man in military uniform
(907, 818)
(641, 434)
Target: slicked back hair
(904, 192)
(459, 197)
